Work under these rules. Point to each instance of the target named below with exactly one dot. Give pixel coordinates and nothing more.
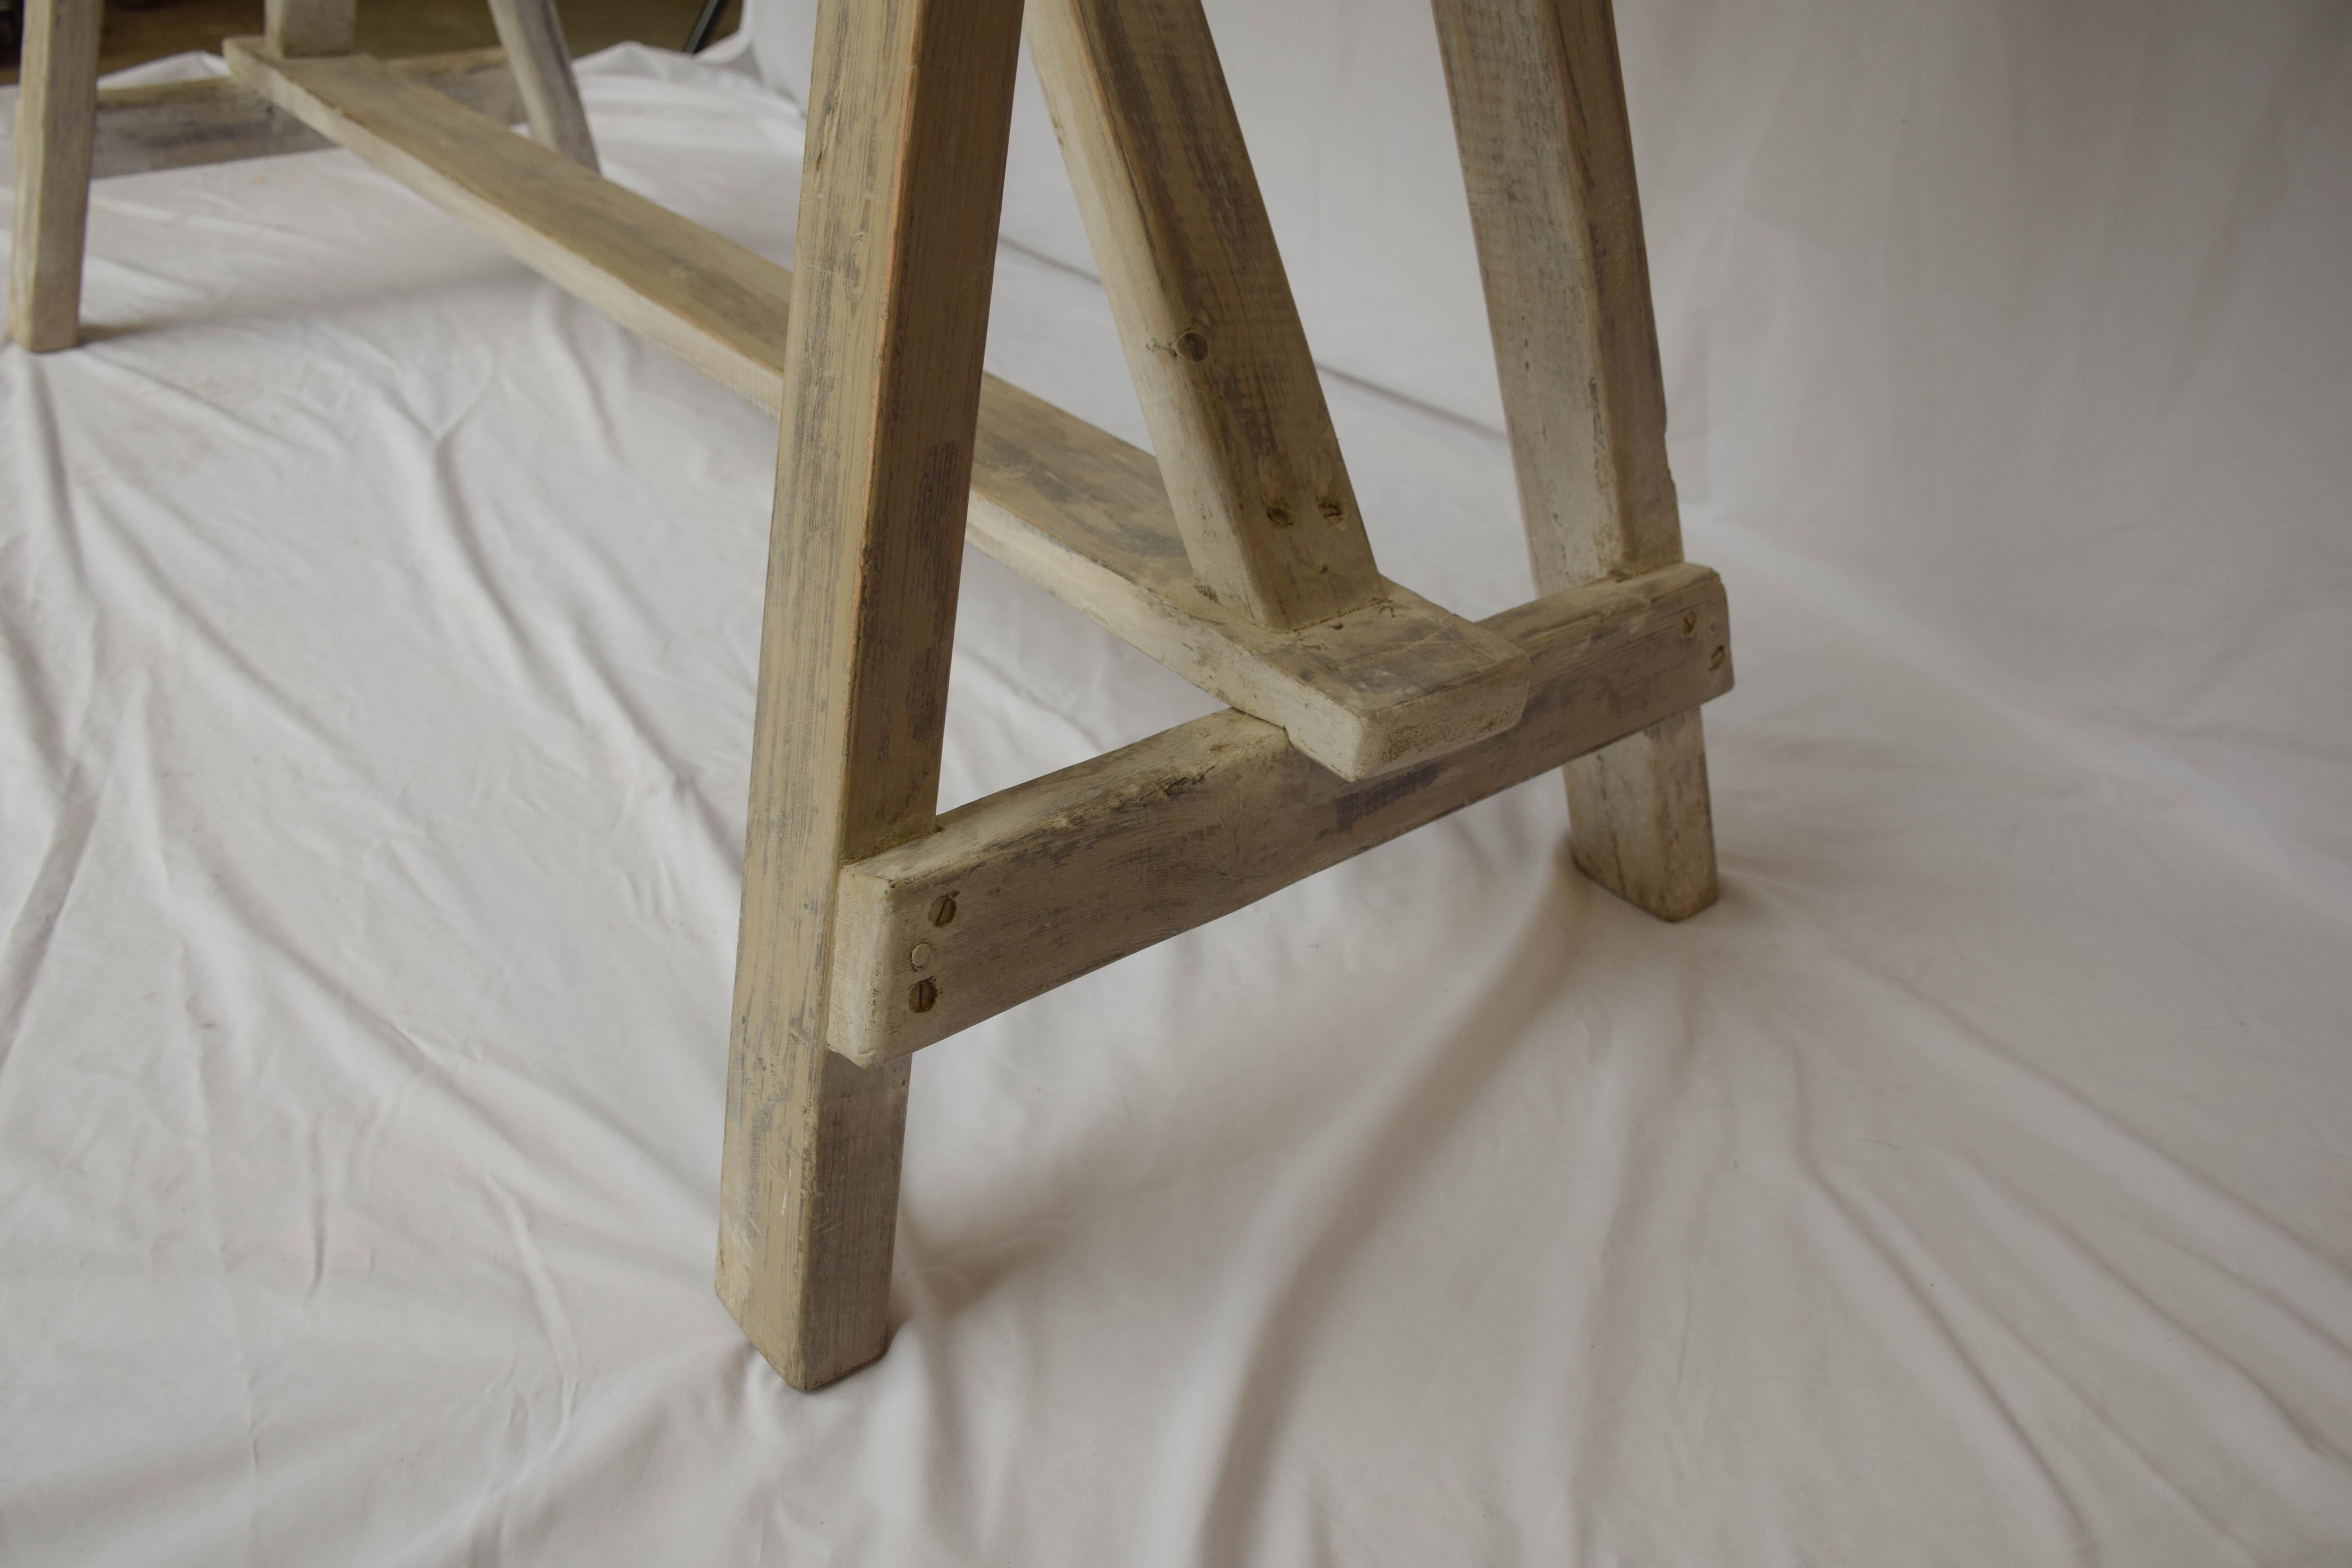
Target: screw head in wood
(924, 996)
(1717, 662)
(1690, 622)
(943, 910)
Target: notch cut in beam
(1073, 508)
(1036, 885)
(532, 36)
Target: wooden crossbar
(532, 36)
(1049, 879)
(1080, 513)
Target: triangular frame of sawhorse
(869, 929)
(872, 926)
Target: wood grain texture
(1547, 152)
(715, 304)
(1077, 511)
(532, 36)
(56, 106)
(911, 106)
(292, 27)
(181, 124)
(1052, 878)
(1204, 311)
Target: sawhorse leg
(57, 112)
(910, 110)
(1539, 108)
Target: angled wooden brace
(1249, 459)
(1204, 311)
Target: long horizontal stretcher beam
(180, 124)
(709, 301)
(1076, 510)
(1040, 883)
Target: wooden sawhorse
(872, 926)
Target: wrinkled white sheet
(1971, 1186)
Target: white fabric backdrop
(1970, 1187)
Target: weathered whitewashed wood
(1204, 311)
(293, 28)
(181, 124)
(56, 112)
(911, 104)
(713, 303)
(1040, 883)
(1077, 510)
(532, 35)
(1539, 109)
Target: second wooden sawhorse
(872, 925)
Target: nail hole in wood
(1332, 509)
(1690, 622)
(1277, 514)
(1193, 347)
